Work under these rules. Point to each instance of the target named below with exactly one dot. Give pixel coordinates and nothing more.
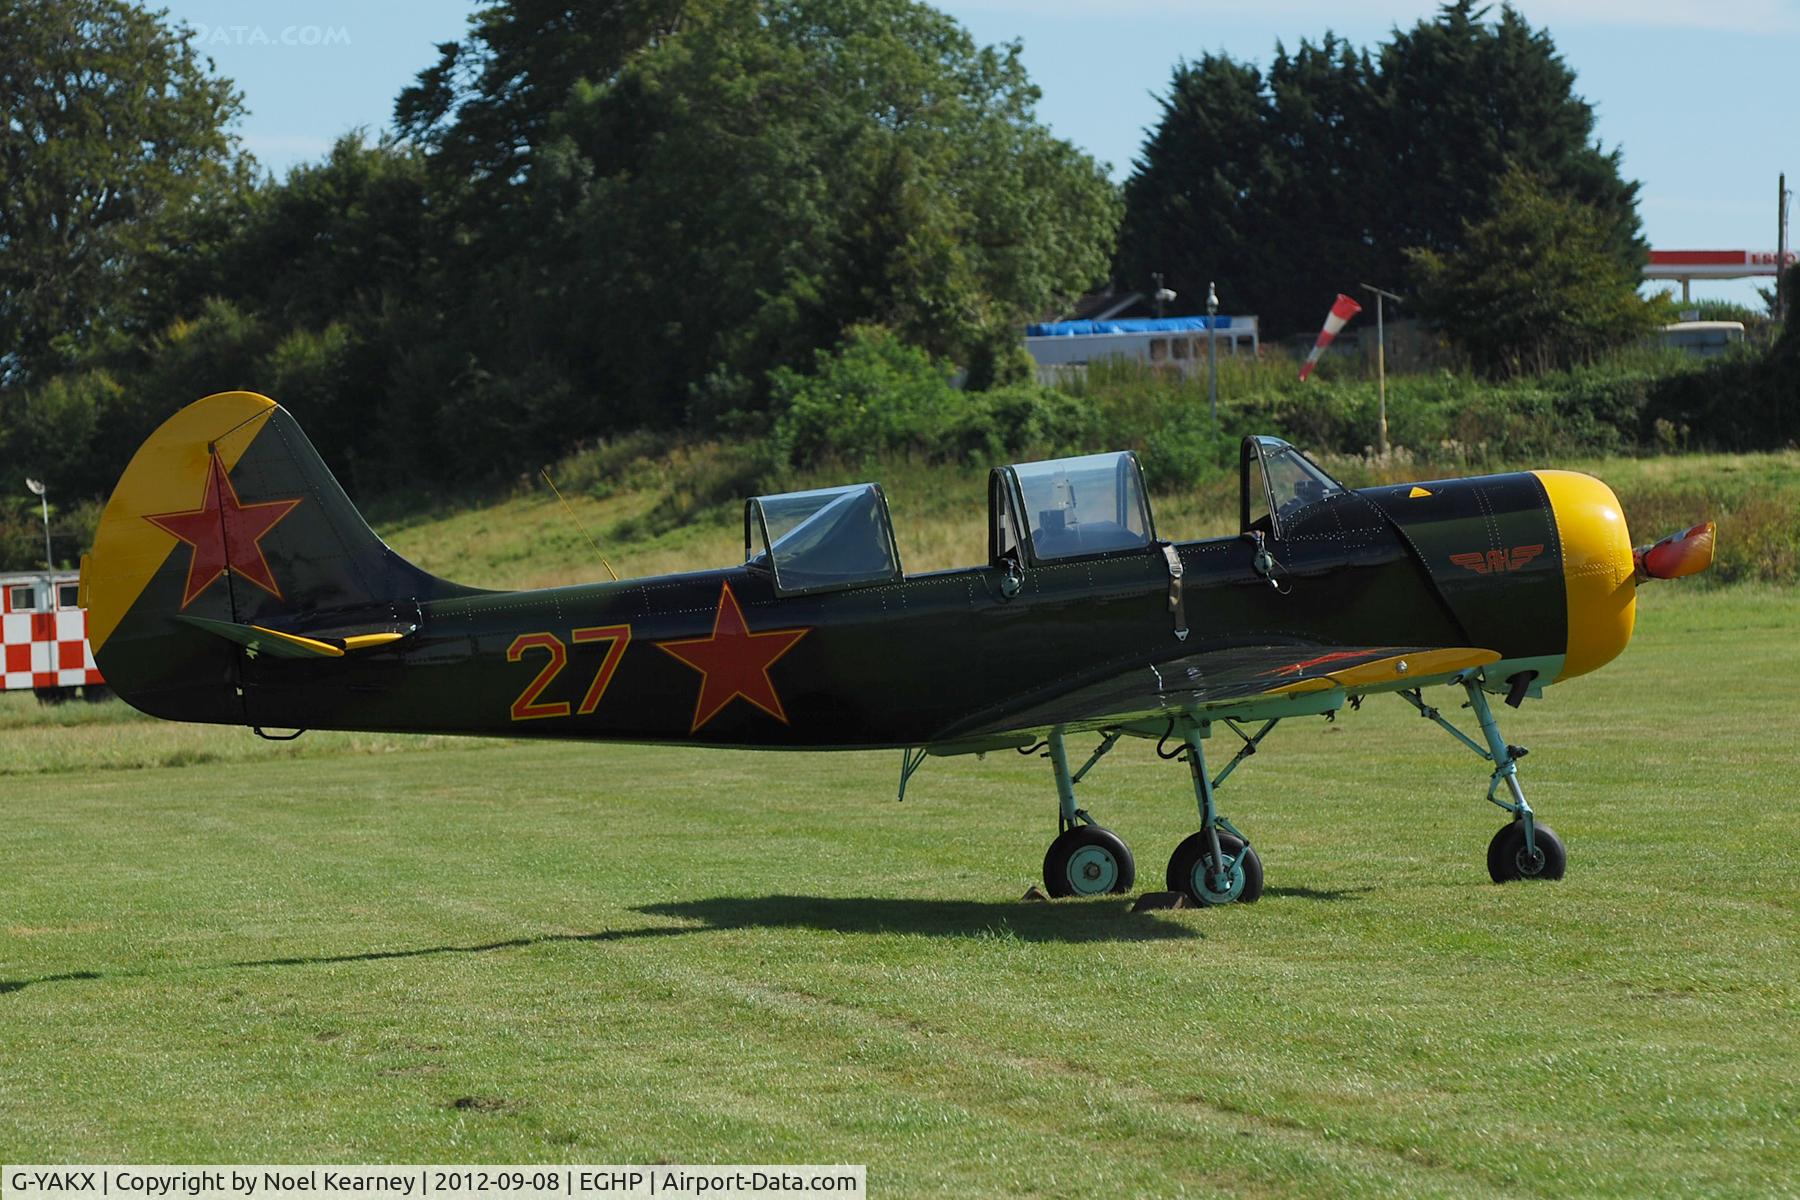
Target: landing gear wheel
(1191, 870)
(1508, 860)
(1088, 861)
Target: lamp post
(1381, 444)
(43, 494)
(1212, 352)
(1162, 294)
(1782, 196)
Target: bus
(1702, 338)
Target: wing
(1237, 681)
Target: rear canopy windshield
(822, 540)
(1094, 504)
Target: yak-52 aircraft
(233, 582)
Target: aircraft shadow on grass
(14, 985)
(1092, 921)
(1324, 895)
(1095, 921)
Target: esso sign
(1715, 264)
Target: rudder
(227, 517)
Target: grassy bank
(631, 508)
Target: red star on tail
(734, 662)
(224, 533)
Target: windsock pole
(1341, 311)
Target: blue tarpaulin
(1134, 325)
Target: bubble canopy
(833, 539)
(1075, 507)
(826, 539)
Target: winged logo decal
(1497, 562)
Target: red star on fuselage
(224, 533)
(734, 662)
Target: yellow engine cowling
(1599, 573)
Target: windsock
(1341, 311)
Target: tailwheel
(1193, 870)
(1088, 860)
(1509, 859)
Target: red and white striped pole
(1341, 311)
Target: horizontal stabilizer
(1686, 553)
(257, 639)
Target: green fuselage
(935, 658)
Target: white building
(1174, 343)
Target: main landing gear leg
(1085, 859)
(1217, 865)
(1524, 848)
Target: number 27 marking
(527, 707)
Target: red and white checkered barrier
(43, 642)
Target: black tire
(1508, 861)
(1187, 863)
(1088, 861)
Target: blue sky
(1699, 96)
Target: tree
(484, 109)
(713, 189)
(1289, 187)
(599, 217)
(309, 289)
(1536, 286)
(114, 137)
(1464, 103)
(1196, 203)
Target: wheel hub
(1093, 870)
(1218, 886)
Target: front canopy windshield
(830, 538)
(1294, 482)
(1088, 505)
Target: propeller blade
(1686, 553)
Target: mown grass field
(360, 948)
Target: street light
(1162, 295)
(1381, 361)
(1212, 352)
(1782, 196)
(43, 494)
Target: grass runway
(419, 950)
